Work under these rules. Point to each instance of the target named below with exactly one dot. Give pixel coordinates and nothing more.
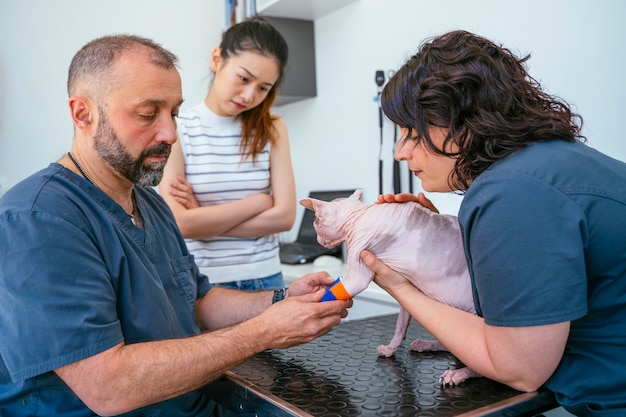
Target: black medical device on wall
(397, 188)
(397, 183)
(380, 80)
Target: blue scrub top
(77, 278)
(544, 232)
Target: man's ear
(82, 112)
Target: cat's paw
(454, 377)
(419, 345)
(386, 350)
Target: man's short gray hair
(90, 70)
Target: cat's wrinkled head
(331, 217)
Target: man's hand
(300, 319)
(310, 283)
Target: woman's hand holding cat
(405, 197)
(386, 278)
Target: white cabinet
(300, 79)
(295, 20)
(299, 9)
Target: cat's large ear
(308, 203)
(357, 194)
(312, 203)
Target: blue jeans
(272, 282)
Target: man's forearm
(128, 377)
(223, 307)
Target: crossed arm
(256, 215)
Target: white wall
(577, 53)
(38, 39)
(576, 46)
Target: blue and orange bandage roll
(336, 292)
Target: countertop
(341, 374)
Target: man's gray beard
(111, 149)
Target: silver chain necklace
(84, 174)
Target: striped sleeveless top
(215, 169)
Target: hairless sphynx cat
(422, 245)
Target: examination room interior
(576, 49)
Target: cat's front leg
(402, 325)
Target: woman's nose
(248, 93)
(401, 152)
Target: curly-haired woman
(543, 221)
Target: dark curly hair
(483, 95)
